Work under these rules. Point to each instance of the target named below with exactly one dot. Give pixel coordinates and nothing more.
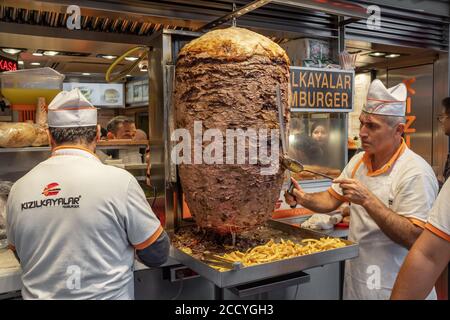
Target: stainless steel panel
(264, 286)
(14, 165)
(440, 90)
(165, 47)
(236, 13)
(339, 8)
(421, 106)
(382, 75)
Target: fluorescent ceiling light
(37, 54)
(11, 50)
(392, 55)
(131, 58)
(35, 64)
(86, 74)
(109, 57)
(377, 54)
(51, 53)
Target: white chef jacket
(439, 217)
(407, 185)
(75, 223)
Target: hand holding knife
(289, 163)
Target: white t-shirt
(439, 217)
(407, 185)
(75, 224)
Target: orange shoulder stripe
(150, 240)
(437, 232)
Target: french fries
(186, 250)
(272, 251)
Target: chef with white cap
(75, 223)
(390, 188)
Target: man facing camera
(121, 127)
(391, 190)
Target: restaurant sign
(7, 64)
(322, 90)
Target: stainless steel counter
(151, 283)
(334, 233)
(274, 269)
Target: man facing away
(75, 223)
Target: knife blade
(281, 121)
(283, 140)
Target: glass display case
(321, 99)
(319, 141)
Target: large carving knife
(283, 141)
(289, 163)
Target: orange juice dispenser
(22, 88)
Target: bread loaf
(17, 134)
(41, 137)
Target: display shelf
(129, 166)
(121, 142)
(101, 146)
(135, 166)
(25, 149)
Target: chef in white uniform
(391, 190)
(75, 223)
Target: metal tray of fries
(248, 274)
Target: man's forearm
(398, 228)
(416, 278)
(422, 267)
(321, 202)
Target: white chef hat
(386, 101)
(71, 109)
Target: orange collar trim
(368, 162)
(73, 147)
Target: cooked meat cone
(227, 80)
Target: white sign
(100, 94)
(137, 92)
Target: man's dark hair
(114, 123)
(78, 135)
(446, 105)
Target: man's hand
(298, 196)
(355, 191)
